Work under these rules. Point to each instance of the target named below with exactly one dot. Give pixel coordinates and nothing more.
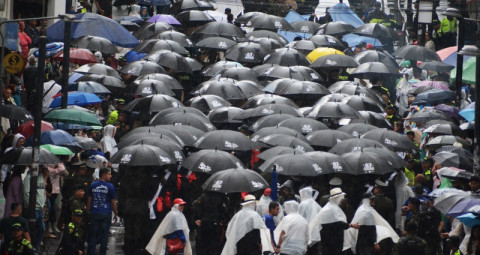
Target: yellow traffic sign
(13, 63)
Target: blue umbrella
(74, 77)
(434, 97)
(169, 19)
(57, 137)
(341, 12)
(463, 206)
(133, 56)
(274, 184)
(52, 49)
(468, 114)
(469, 219)
(77, 98)
(354, 40)
(96, 25)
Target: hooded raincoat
(308, 207)
(6, 168)
(109, 145)
(296, 231)
(402, 192)
(330, 213)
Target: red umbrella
(26, 129)
(78, 56)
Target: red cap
(369, 46)
(179, 201)
(267, 192)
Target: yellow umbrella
(320, 52)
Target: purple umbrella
(433, 84)
(463, 206)
(169, 19)
(449, 110)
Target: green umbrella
(72, 116)
(57, 150)
(468, 71)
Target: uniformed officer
(112, 119)
(383, 205)
(20, 245)
(411, 243)
(72, 240)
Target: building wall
(53, 8)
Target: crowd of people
(165, 210)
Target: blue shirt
(268, 219)
(102, 194)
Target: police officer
(19, 245)
(411, 243)
(383, 205)
(72, 240)
(448, 26)
(377, 15)
(112, 119)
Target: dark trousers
(98, 230)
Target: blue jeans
(98, 230)
(40, 225)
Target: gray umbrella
(235, 180)
(95, 43)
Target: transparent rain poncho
(296, 231)
(308, 207)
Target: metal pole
(476, 157)
(458, 78)
(66, 61)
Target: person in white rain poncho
(292, 232)
(173, 226)
(373, 228)
(246, 232)
(109, 145)
(402, 192)
(329, 225)
(264, 202)
(308, 207)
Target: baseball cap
(267, 192)
(17, 227)
(179, 201)
(78, 212)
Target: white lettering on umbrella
(205, 168)
(257, 185)
(178, 156)
(268, 111)
(330, 62)
(339, 140)
(249, 56)
(222, 45)
(317, 168)
(147, 90)
(307, 128)
(368, 168)
(165, 159)
(126, 158)
(305, 29)
(337, 167)
(331, 40)
(217, 185)
(175, 104)
(266, 138)
(231, 145)
(390, 142)
(177, 124)
(278, 24)
(279, 169)
(255, 138)
(313, 75)
(300, 148)
(215, 103)
(357, 148)
(355, 133)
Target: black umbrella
(211, 161)
(225, 116)
(436, 66)
(166, 45)
(434, 97)
(363, 104)
(295, 89)
(269, 121)
(377, 56)
(296, 165)
(450, 159)
(336, 98)
(152, 87)
(239, 74)
(235, 180)
(23, 157)
(220, 29)
(244, 18)
(95, 43)
(15, 113)
(194, 18)
(87, 143)
(426, 115)
(305, 26)
(333, 110)
(444, 129)
(376, 30)
(358, 90)
(171, 60)
(327, 41)
(206, 103)
(286, 57)
(373, 118)
(226, 140)
(214, 69)
(326, 139)
(303, 45)
(269, 22)
(249, 88)
(216, 43)
(188, 134)
(335, 28)
(149, 29)
(178, 37)
(142, 155)
(151, 104)
(266, 34)
(194, 64)
(164, 143)
(107, 81)
(274, 130)
(373, 69)
(357, 129)
(148, 132)
(334, 61)
(195, 5)
(89, 87)
(98, 69)
(276, 151)
(269, 109)
(267, 99)
(416, 53)
(443, 140)
(455, 149)
(142, 67)
(246, 52)
(129, 25)
(303, 125)
(181, 109)
(396, 161)
(392, 140)
(287, 141)
(184, 118)
(361, 163)
(355, 144)
(223, 88)
(165, 78)
(301, 73)
(418, 90)
(268, 44)
(330, 162)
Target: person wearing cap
(172, 235)
(382, 204)
(113, 117)
(329, 224)
(292, 232)
(411, 243)
(19, 245)
(427, 164)
(74, 203)
(72, 242)
(243, 231)
(6, 226)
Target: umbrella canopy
(434, 97)
(375, 30)
(362, 104)
(169, 19)
(286, 57)
(297, 89)
(377, 56)
(89, 87)
(72, 116)
(150, 29)
(415, 52)
(100, 69)
(23, 157)
(327, 41)
(354, 90)
(269, 121)
(354, 144)
(268, 109)
(454, 173)
(464, 206)
(206, 103)
(57, 137)
(170, 60)
(78, 56)
(223, 88)
(165, 143)
(445, 201)
(278, 150)
(15, 113)
(211, 161)
(194, 18)
(357, 129)
(392, 140)
(362, 162)
(303, 45)
(214, 69)
(372, 118)
(218, 29)
(26, 129)
(216, 43)
(433, 84)
(301, 73)
(450, 159)
(151, 104)
(195, 5)
(166, 79)
(266, 34)
(446, 140)
(87, 143)
(326, 139)
(246, 52)
(469, 219)
(167, 45)
(225, 115)
(226, 140)
(287, 141)
(332, 110)
(274, 130)
(269, 22)
(188, 134)
(469, 71)
(334, 61)
(305, 26)
(437, 66)
(142, 155)
(93, 25)
(303, 125)
(335, 28)
(393, 158)
(373, 69)
(298, 165)
(427, 114)
(185, 118)
(152, 87)
(175, 36)
(239, 74)
(142, 67)
(95, 43)
(322, 51)
(244, 18)
(149, 2)
(57, 150)
(460, 151)
(235, 180)
(77, 98)
(444, 129)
